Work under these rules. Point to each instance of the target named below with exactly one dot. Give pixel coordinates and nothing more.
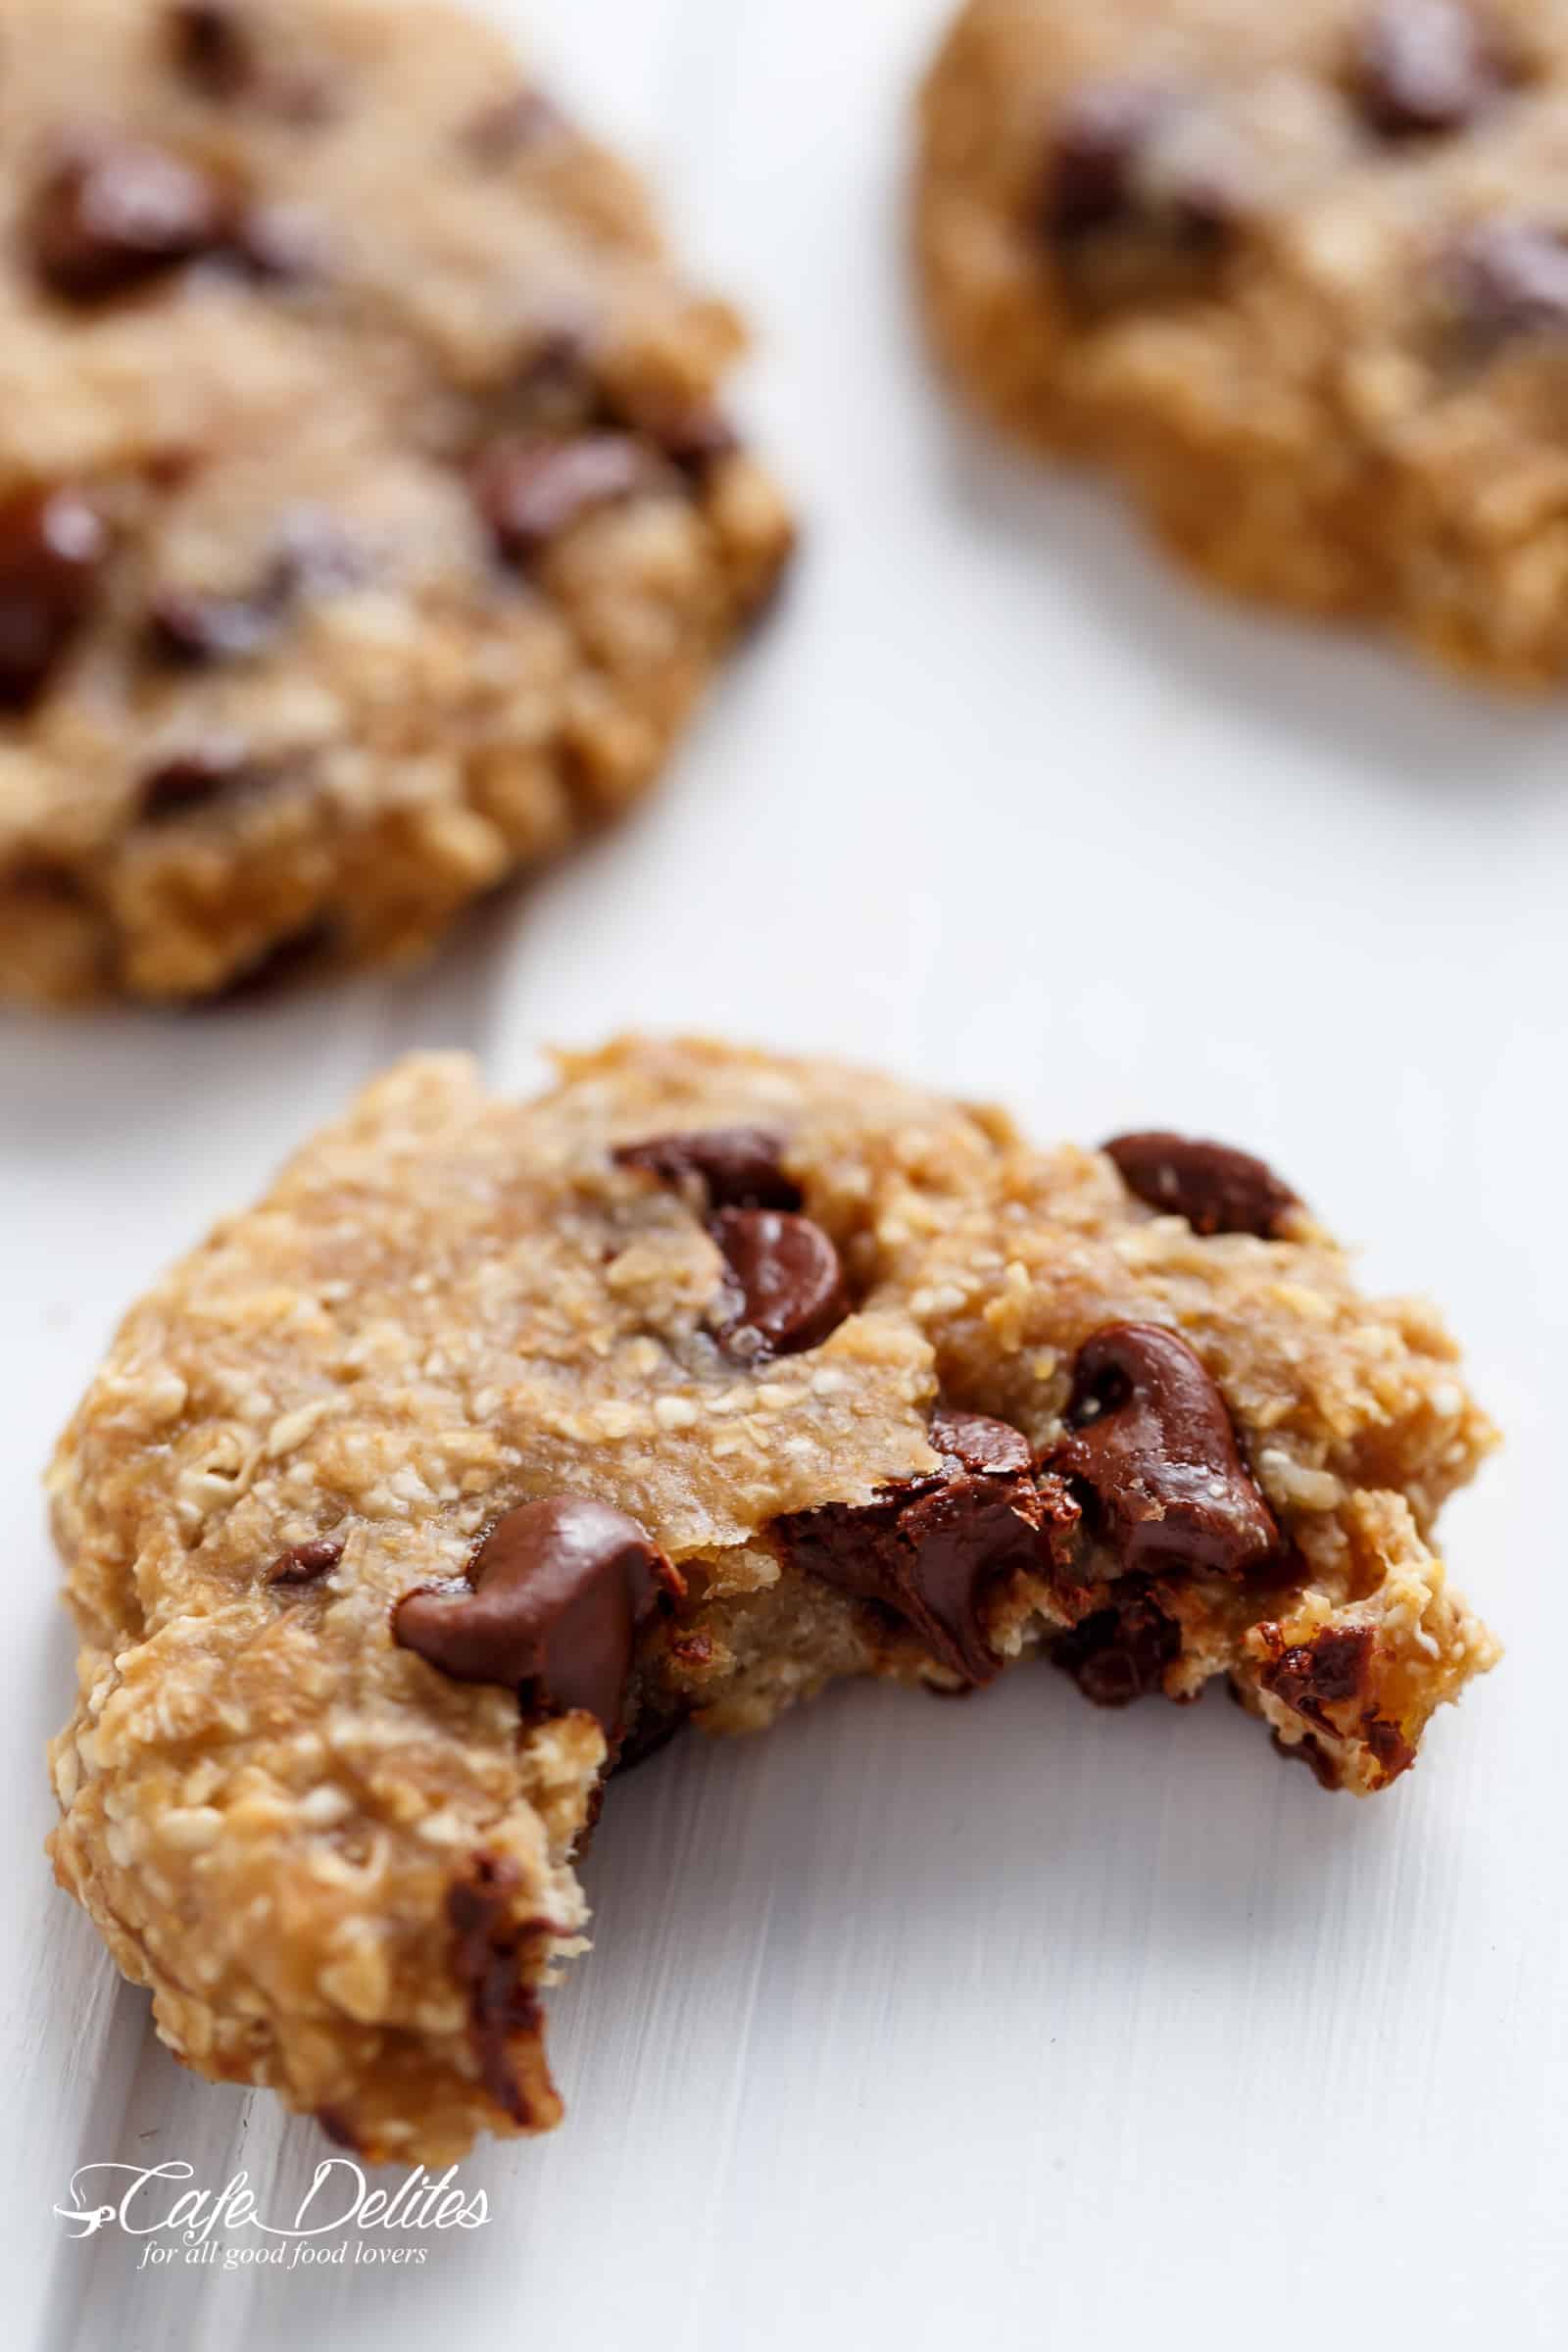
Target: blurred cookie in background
(1297, 277)
(370, 516)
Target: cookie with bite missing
(1297, 276)
(502, 1440)
(371, 518)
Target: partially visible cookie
(502, 1438)
(1298, 275)
(369, 517)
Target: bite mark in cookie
(931, 1550)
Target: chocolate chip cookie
(502, 1440)
(370, 516)
(1298, 275)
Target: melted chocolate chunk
(554, 1597)
(978, 1444)
(1215, 1189)
(1425, 67)
(530, 490)
(1121, 1654)
(304, 1563)
(786, 1290)
(730, 1167)
(114, 215)
(212, 46)
(1151, 1447)
(1504, 278)
(1332, 1670)
(1312, 1676)
(52, 544)
(931, 1549)
(192, 780)
(1389, 1745)
(489, 1949)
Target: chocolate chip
(694, 438)
(490, 1951)
(211, 43)
(1100, 140)
(1123, 157)
(1392, 1750)
(116, 214)
(1215, 1189)
(930, 1549)
(508, 126)
(1121, 1654)
(694, 435)
(191, 779)
(730, 1167)
(304, 1563)
(1152, 1447)
(1325, 1672)
(1506, 278)
(787, 1286)
(530, 490)
(978, 1444)
(52, 544)
(1424, 67)
(554, 1596)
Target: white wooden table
(1009, 2024)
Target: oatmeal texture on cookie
(1298, 275)
(369, 519)
(501, 1440)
